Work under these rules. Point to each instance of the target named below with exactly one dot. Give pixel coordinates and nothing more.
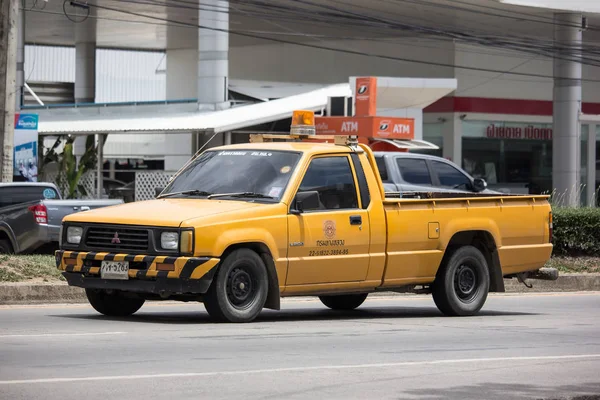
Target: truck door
(330, 243)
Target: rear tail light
(40, 213)
(550, 228)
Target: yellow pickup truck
(243, 225)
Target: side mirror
(306, 201)
(479, 185)
(158, 191)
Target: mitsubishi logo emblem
(115, 239)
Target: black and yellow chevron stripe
(185, 267)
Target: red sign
(366, 97)
(518, 132)
(367, 127)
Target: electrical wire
(84, 6)
(354, 52)
(486, 41)
(470, 10)
(244, 33)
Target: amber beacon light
(303, 123)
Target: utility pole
(9, 12)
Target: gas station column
(567, 105)
(213, 55)
(85, 60)
(452, 139)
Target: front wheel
(113, 304)
(344, 301)
(239, 290)
(463, 282)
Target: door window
(382, 169)
(414, 171)
(332, 178)
(450, 176)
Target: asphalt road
(542, 346)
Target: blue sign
(26, 147)
(26, 121)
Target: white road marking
(295, 369)
(61, 334)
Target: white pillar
(566, 146)
(452, 139)
(85, 72)
(85, 59)
(100, 163)
(591, 166)
(112, 169)
(20, 57)
(213, 55)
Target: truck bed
(420, 229)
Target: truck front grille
(117, 239)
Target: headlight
(169, 240)
(74, 234)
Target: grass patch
(575, 264)
(28, 268)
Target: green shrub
(576, 231)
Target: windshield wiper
(241, 194)
(194, 192)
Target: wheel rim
(241, 287)
(466, 282)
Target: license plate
(114, 270)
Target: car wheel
(343, 302)
(113, 304)
(462, 283)
(5, 247)
(239, 290)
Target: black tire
(239, 290)
(344, 301)
(113, 305)
(462, 284)
(5, 247)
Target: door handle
(355, 220)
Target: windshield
(240, 172)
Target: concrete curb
(44, 293)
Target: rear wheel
(113, 304)
(239, 290)
(462, 284)
(5, 247)
(344, 301)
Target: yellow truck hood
(160, 212)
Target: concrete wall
(181, 75)
(292, 63)
(495, 85)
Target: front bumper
(190, 275)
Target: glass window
(382, 169)
(332, 177)
(450, 176)
(11, 195)
(414, 170)
(238, 171)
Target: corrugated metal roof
(121, 75)
(216, 121)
